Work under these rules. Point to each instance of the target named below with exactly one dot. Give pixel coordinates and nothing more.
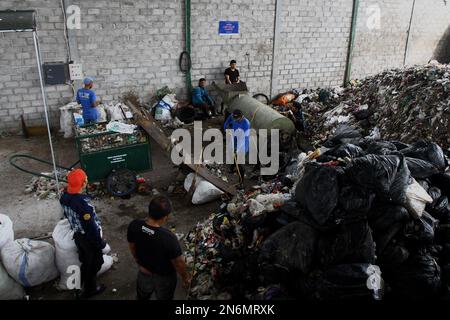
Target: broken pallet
(146, 121)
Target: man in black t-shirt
(157, 252)
(232, 74)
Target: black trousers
(163, 285)
(91, 259)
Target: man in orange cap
(86, 226)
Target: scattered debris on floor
(44, 188)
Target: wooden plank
(147, 122)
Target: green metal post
(187, 21)
(348, 67)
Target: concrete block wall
(252, 48)
(127, 44)
(377, 49)
(430, 25)
(20, 91)
(313, 43)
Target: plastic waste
(291, 247)
(429, 152)
(420, 169)
(416, 199)
(204, 190)
(318, 191)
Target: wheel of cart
(113, 157)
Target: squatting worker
(232, 73)
(157, 252)
(202, 100)
(88, 100)
(241, 136)
(85, 224)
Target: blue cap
(88, 80)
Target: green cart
(113, 157)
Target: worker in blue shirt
(241, 139)
(88, 100)
(202, 100)
(87, 231)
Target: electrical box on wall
(55, 72)
(75, 71)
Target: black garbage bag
(427, 151)
(343, 134)
(243, 272)
(394, 254)
(424, 184)
(227, 253)
(439, 208)
(442, 237)
(397, 192)
(291, 247)
(341, 151)
(386, 222)
(266, 223)
(355, 200)
(318, 191)
(380, 148)
(387, 176)
(382, 216)
(344, 282)
(445, 254)
(289, 212)
(349, 243)
(418, 278)
(445, 276)
(420, 232)
(400, 145)
(362, 114)
(435, 194)
(442, 181)
(185, 114)
(420, 169)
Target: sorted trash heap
(399, 104)
(359, 219)
(98, 137)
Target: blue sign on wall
(228, 27)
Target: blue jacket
(244, 126)
(201, 96)
(82, 217)
(86, 98)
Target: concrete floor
(33, 218)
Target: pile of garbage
(361, 218)
(28, 263)
(104, 138)
(43, 188)
(400, 104)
